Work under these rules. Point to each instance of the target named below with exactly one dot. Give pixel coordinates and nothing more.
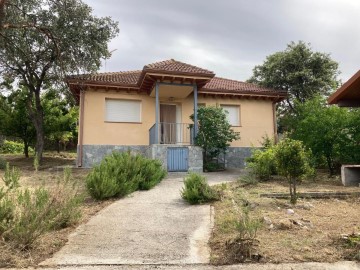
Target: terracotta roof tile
(125, 77)
(218, 84)
(176, 66)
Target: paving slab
(147, 227)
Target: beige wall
(256, 119)
(97, 131)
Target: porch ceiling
(173, 91)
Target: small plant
(122, 173)
(243, 246)
(26, 214)
(36, 163)
(248, 180)
(197, 190)
(292, 162)
(11, 178)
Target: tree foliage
(215, 133)
(332, 133)
(60, 119)
(14, 119)
(42, 41)
(292, 162)
(300, 71)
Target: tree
(298, 70)
(14, 119)
(60, 119)
(42, 41)
(292, 162)
(215, 133)
(332, 133)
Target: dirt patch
(47, 176)
(310, 232)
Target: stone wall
(235, 157)
(93, 154)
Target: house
(148, 111)
(348, 95)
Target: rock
(271, 227)
(267, 220)
(284, 224)
(290, 211)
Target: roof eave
(335, 97)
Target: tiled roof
(225, 85)
(176, 66)
(213, 84)
(124, 77)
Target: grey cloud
(229, 37)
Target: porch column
(157, 113)
(195, 112)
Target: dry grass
(47, 176)
(318, 240)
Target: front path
(148, 227)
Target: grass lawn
(48, 175)
(312, 233)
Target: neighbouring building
(148, 111)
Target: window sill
(123, 122)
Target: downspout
(81, 127)
(157, 113)
(275, 123)
(195, 112)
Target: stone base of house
(233, 158)
(93, 154)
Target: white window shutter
(233, 114)
(120, 110)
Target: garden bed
(313, 230)
(47, 176)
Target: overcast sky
(229, 37)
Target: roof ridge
(117, 72)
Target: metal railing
(171, 133)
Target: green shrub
(12, 147)
(151, 174)
(197, 190)
(262, 163)
(122, 173)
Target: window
(121, 110)
(233, 114)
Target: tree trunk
(37, 117)
(26, 148)
(58, 146)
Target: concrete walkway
(156, 229)
(148, 227)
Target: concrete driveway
(148, 227)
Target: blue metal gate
(177, 159)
